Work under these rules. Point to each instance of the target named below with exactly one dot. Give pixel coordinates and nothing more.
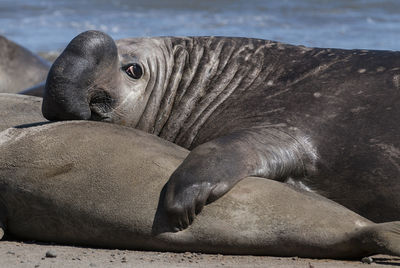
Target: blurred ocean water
(45, 25)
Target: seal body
(90, 195)
(19, 68)
(18, 110)
(325, 119)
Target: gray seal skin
(326, 119)
(18, 110)
(91, 195)
(19, 68)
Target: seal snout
(74, 74)
(101, 103)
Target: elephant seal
(19, 68)
(65, 183)
(326, 119)
(18, 110)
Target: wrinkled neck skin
(188, 78)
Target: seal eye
(134, 70)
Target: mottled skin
(20, 69)
(326, 119)
(91, 195)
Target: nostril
(100, 103)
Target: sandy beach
(34, 254)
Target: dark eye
(134, 70)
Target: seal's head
(94, 79)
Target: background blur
(47, 25)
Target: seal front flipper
(213, 168)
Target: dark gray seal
(19, 68)
(89, 183)
(325, 119)
(19, 110)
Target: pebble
(368, 260)
(51, 254)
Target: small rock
(92, 265)
(11, 252)
(51, 254)
(37, 265)
(368, 260)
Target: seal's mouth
(101, 104)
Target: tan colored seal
(16, 110)
(88, 183)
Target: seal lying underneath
(326, 119)
(20, 69)
(90, 195)
(16, 109)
